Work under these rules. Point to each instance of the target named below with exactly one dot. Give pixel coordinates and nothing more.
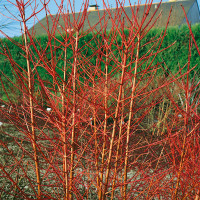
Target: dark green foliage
(171, 59)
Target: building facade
(96, 17)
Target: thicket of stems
(107, 123)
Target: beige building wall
(93, 8)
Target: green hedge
(174, 57)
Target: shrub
(115, 128)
